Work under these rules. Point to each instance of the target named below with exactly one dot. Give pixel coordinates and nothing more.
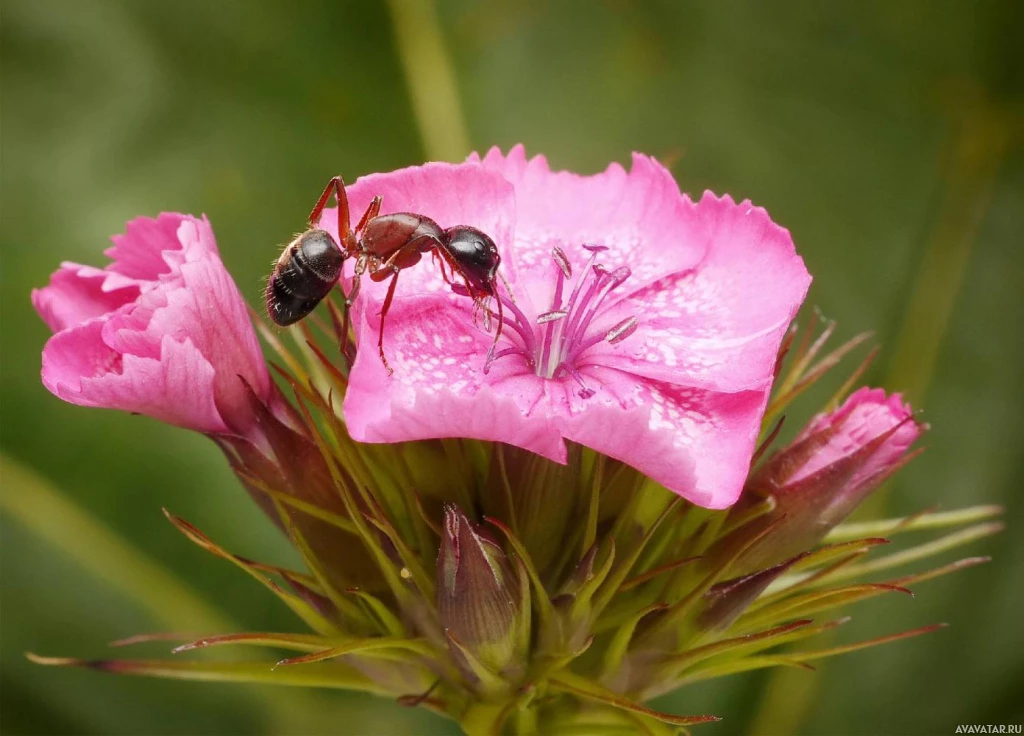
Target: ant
(384, 245)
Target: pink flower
(828, 470)
(644, 325)
(161, 331)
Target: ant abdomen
(305, 273)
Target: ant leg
(508, 290)
(372, 211)
(406, 256)
(346, 327)
(335, 186)
(383, 316)
(501, 320)
(441, 263)
(361, 263)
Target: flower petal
(79, 293)
(439, 388)
(640, 216)
(720, 324)
(204, 308)
(150, 248)
(867, 414)
(162, 331)
(176, 388)
(695, 442)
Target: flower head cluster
(529, 538)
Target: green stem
(428, 72)
(484, 719)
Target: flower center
(553, 344)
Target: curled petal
(175, 387)
(79, 293)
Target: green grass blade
(43, 509)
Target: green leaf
(621, 571)
(300, 607)
(922, 551)
(298, 642)
(545, 610)
(917, 522)
(347, 608)
(846, 648)
(388, 621)
(739, 644)
(619, 644)
(814, 602)
(715, 569)
(735, 666)
(490, 682)
(332, 676)
(652, 574)
(588, 690)
(360, 646)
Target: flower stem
(431, 79)
(484, 719)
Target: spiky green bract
(516, 595)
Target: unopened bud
(819, 479)
(482, 601)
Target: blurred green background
(885, 134)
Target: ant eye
(476, 257)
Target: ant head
(475, 257)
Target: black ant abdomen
(305, 273)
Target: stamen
(493, 356)
(554, 341)
(622, 330)
(568, 336)
(552, 316)
(558, 255)
(585, 391)
(524, 328)
(619, 275)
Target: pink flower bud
(826, 472)
(161, 331)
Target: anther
(551, 316)
(558, 256)
(622, 330)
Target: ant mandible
(384, 245)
